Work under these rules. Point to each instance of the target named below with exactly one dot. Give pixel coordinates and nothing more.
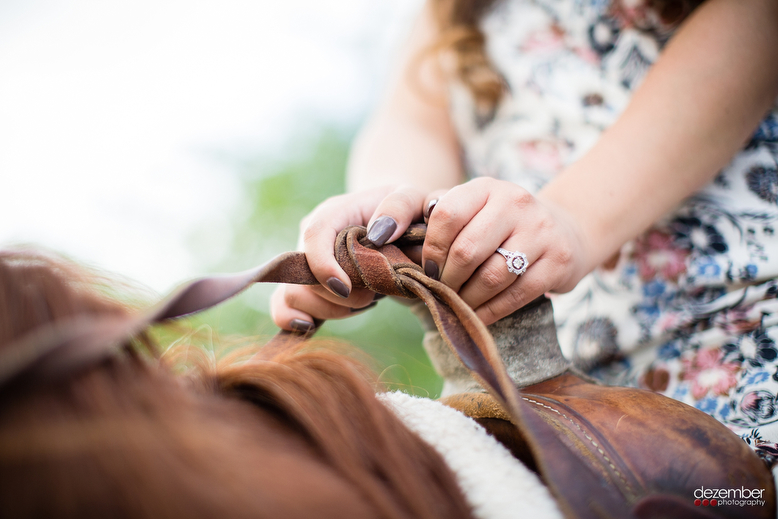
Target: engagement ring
(516, 261)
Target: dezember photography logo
(729, 496)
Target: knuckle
(515, 299)
(463, 252)
(443, 213)
(404, 198)
(546, 223)
(361, 298)
(313, 229)
(565, 254)
(492, 278)
(490, 311)
(522, 198)
(433, 248)
(293, 297)
(333, 204)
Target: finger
(394, 214)
(451, 213)
(532, 284)
(475, 244)
(320, 229)
(431, 201)
(296, 308)
(358, 297)
(287, 317)
(494, 275)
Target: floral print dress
(690, 308)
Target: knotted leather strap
(64, 346)
(586, 475)
(57, 350)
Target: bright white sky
(115, 116)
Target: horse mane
(297, 433)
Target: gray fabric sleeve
(526, 340)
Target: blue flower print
(680, 392)
(691, 233)
(756, 377)
(755, 348)
(670, 350)
(603, 35)
(767, 132)
(763, 182)
(654, 289)
(707, 404)
(748, 272)
(726, 408)
(707, 268)
(646, 314)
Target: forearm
(697, 107)
(392, 150)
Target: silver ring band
(516, 261)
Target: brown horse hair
(460, 35)
(297, 434)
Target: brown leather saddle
(604, 452)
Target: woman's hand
(470, 222)
(386, 211)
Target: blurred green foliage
(277, 194)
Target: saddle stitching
(591, 440)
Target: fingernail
(431, 269)
(371, 305)
(430, 207)
(301, 325)
(338, 286)
(381, 230)
(378, 297)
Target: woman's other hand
(470, 222)
(386, 211)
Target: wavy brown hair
(299, 433)
(459, 34)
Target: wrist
(581, 241)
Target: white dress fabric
(690, 309)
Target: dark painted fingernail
(301, 325)
(381, 230)
(431, 269)
(371, 305)
(430, 207)
(378, 297)
(339, 287)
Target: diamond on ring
(516, 261)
